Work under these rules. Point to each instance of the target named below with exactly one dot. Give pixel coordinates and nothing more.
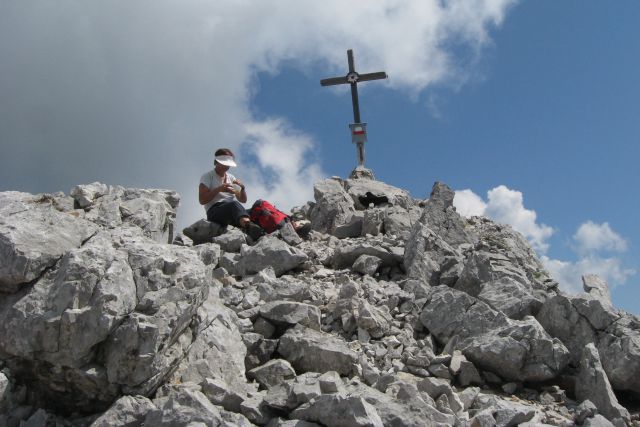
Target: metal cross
(353, 78)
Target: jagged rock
(219, 393)
(598, 421)
(153, 211)
(373, 221)
(272, 373)
(375, 321)
(330, 382)
(120, 292)
(218, 351)
(310, 350)
(291, 313)
(85, 195)
(209, 254)
(434, 387)
(516, 350)
(256, 410)
(494, 279)
(333, 207)
(121, 314)
(592, 384)
(339, 411)
(259, 349)
(366, 264)
(202, 231)
(411, 411)
(504, 412)
(352, 227)
(597, 288)
(34, 236)
(231, 241)
(128, 411)
(269, 252)
(585, 410)
(579, 320)
(346, 255)
(184, 406)
(358, 188)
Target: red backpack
(267, 216)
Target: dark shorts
(225, 213)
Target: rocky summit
(393, 311)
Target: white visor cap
(226, 161)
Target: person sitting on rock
(222, 194)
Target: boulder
(309, 350)
(202, 231)
(592, 384)
(113, 316)
(359, 189)
(34, 236)
(272, 373)
(339, 411)
(366, 264)
(291, 313)
(333, 207)
(184, 406)
(580, 320)
(269, 252)
(515, 350)
(128, 411)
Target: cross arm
(372, 76)
(334, 81)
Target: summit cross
(353, 78)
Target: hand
(225, 188)
(239, 183)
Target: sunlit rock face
(391, 311)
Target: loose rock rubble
(392, 312)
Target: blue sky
(531, 107)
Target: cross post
(352, 78)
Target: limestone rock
(333, 207)
(494, 279)
(34, 236)
(580, 320)
(597, 288)
(86, 195)
(339, 411)
(128, 411)
(202, 231)
(516, 350)
(366, 264)
(269, 252)
(310, 350)
(291, 313)
(272, 373)
(592, 384)
(184, 406)
(358, 188)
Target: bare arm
(242, 195)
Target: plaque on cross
(353, 78)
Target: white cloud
(592, 237)
(505, 206)
(469, 204)
(569, 274)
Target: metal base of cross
(360, 172)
